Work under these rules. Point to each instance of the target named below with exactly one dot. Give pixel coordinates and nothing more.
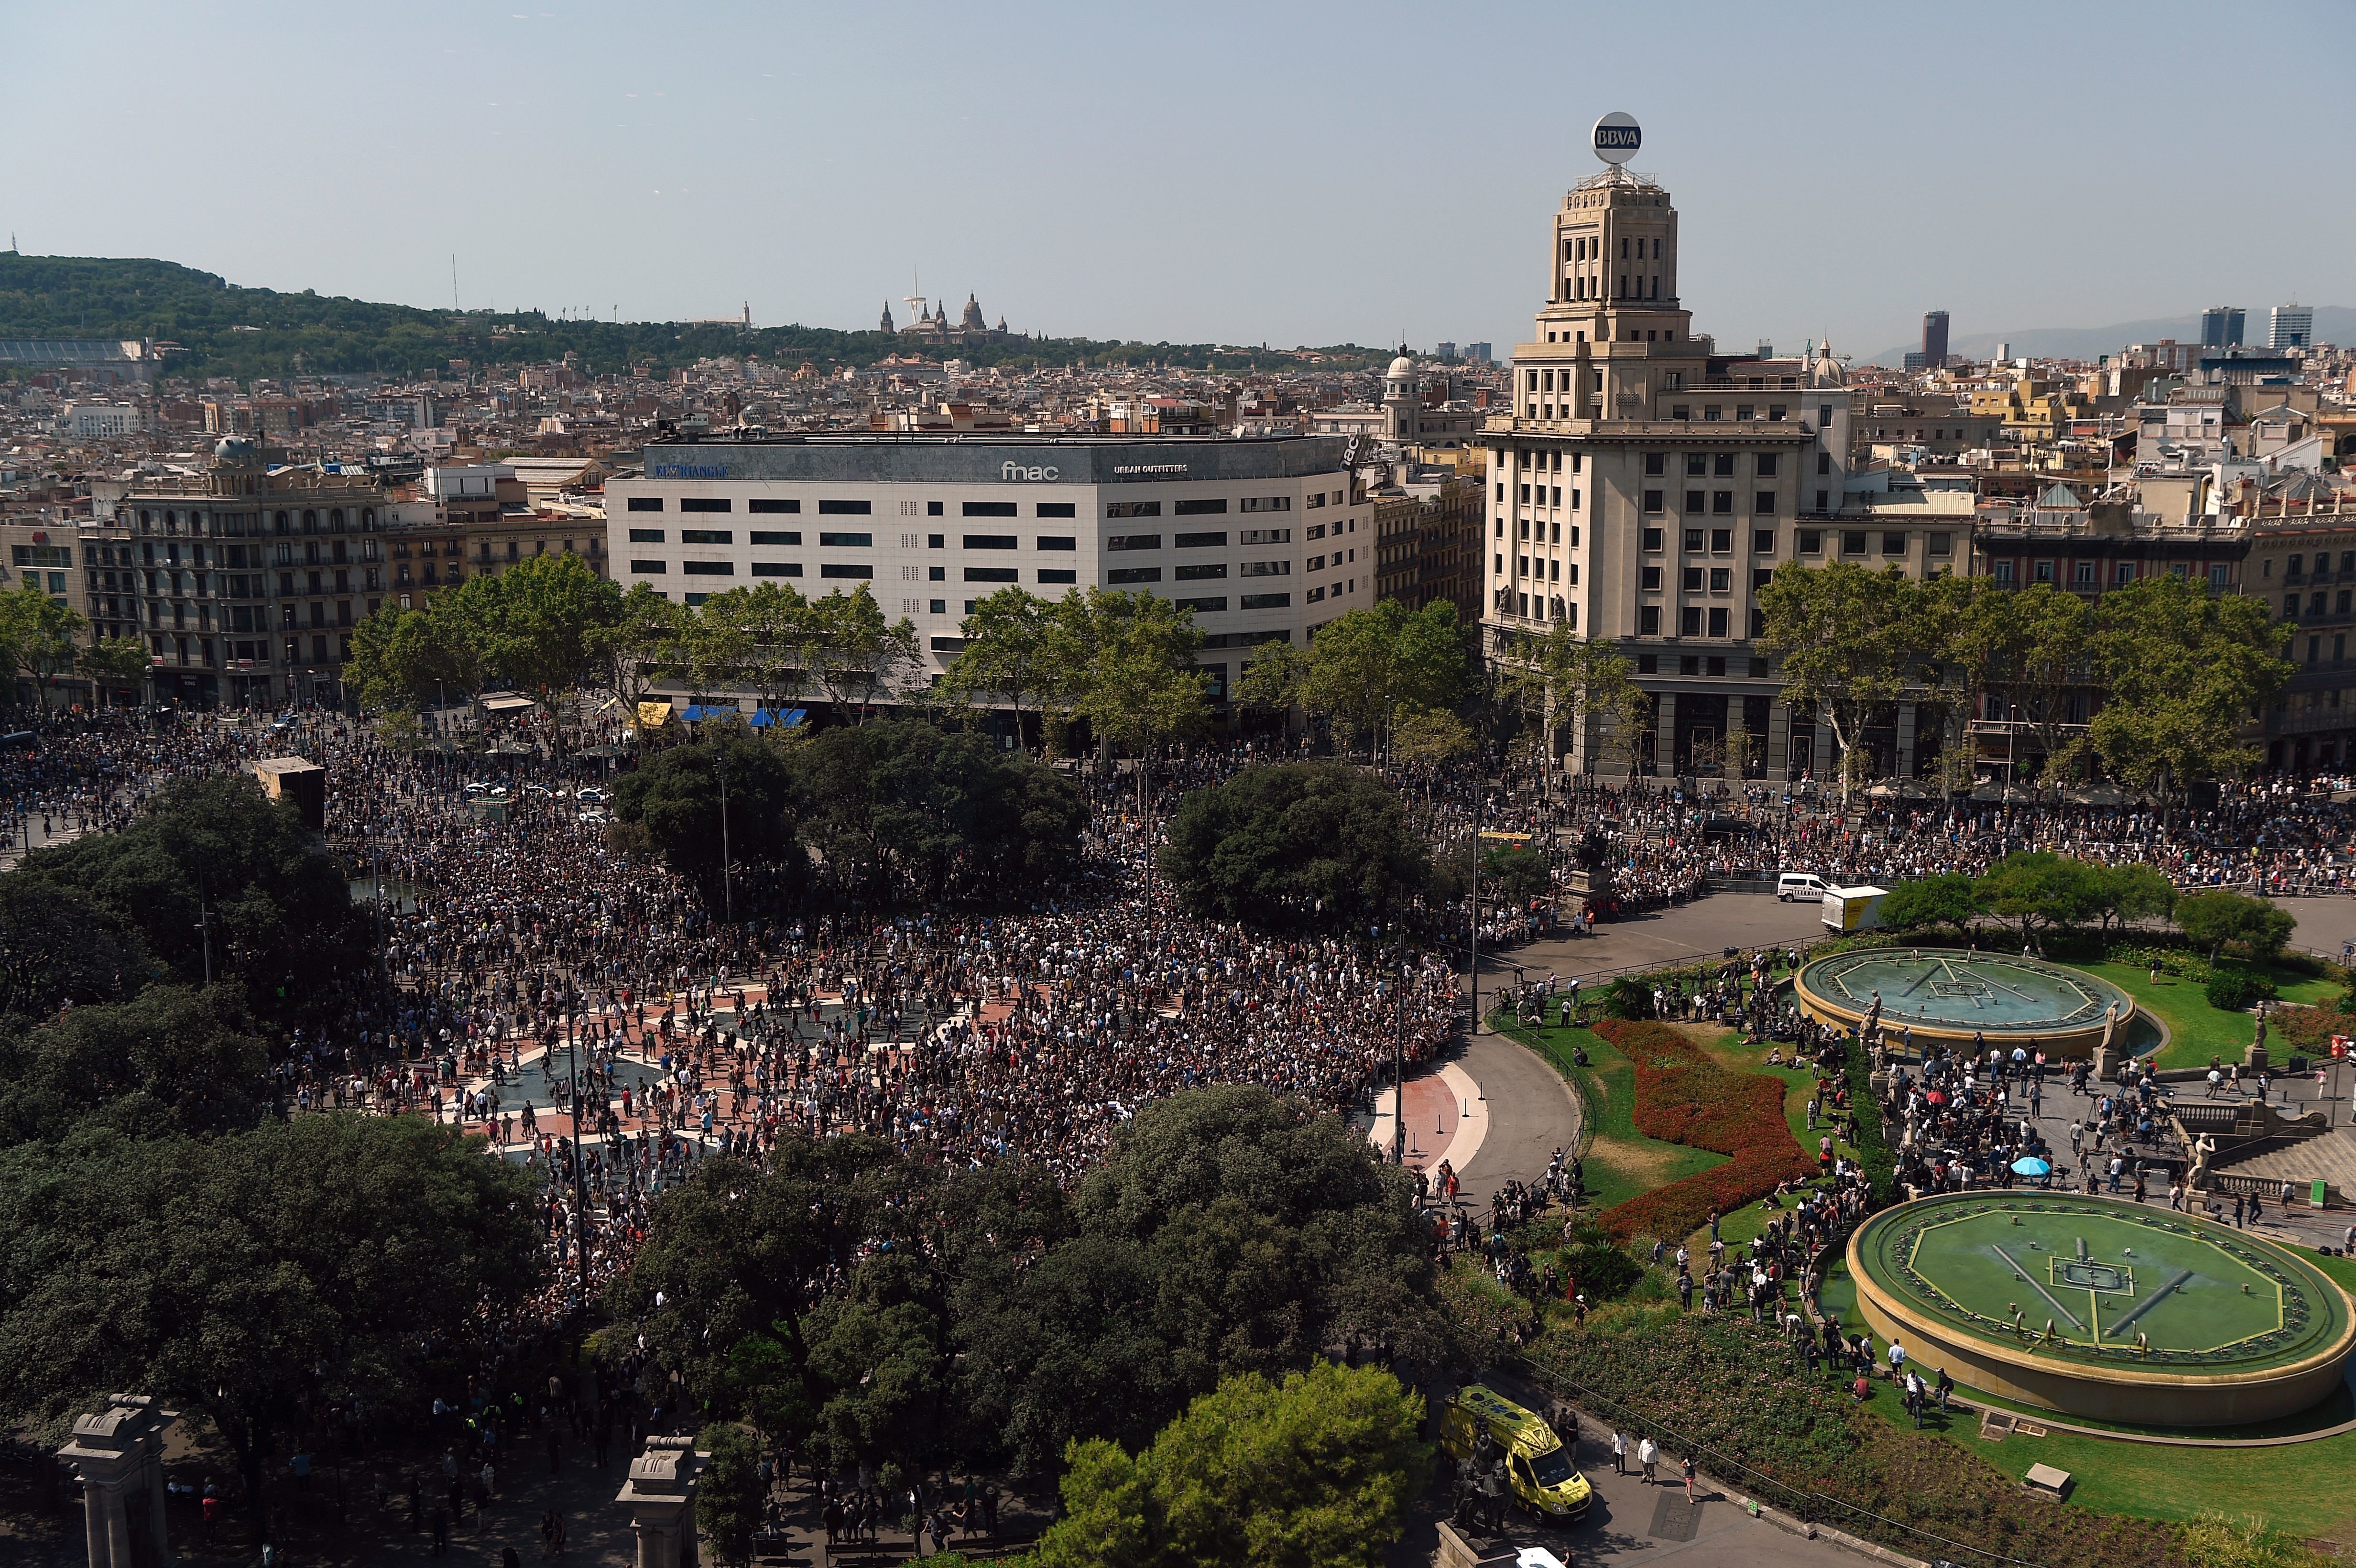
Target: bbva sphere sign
(1617, 137)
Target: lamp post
(727, 884)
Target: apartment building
(246, 582)
(1262, 538)
(1643, 486)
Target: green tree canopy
(61, 947)
(2221, 917)
(1367, 668)
(1009, 655)
(1318, 1471)
(911, 811)
(1951, 898)
(248, 1277)
(168, 1059)
(2037, 887)
(212, 857)
(2183, 669)
(1302, 843)
(677, 794)
(37, 633)
(1848, 639)
(405, 659)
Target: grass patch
(1621, 1162)
(2295, 1489)
(2197, 1031)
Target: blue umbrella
(2030, 1166)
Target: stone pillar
(118, 1456)
(660, 1496)
(1906, 748)
(1664, 735)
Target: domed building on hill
(933, 329)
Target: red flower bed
(1684, 1096)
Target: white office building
(94, 421)
(1260, 538)
(2290, 327)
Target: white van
(1802, 887)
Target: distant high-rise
(2290, 327)
(1478, 353)
(1934, 338)
(2222, 325)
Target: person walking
(1686, 1464)
(1619, 1452)
(1648, 1455)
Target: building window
(638, 504)
(845, 542)
(704, 504)
(1721, 579)
(1651, 580)
(643, 568)
(1853, 542)
(1655, 462)
(992, 541)
(1654, 501)
(1249, 503)
(1762, 541)
(1056, 509)
(760, 507)
(1652, 539)
(1201, 571)
(1198, 508)
(988, 509)
(992, 574)
(2085, 574)
(1200, 541)
(1894, 544)
(1722, 541)
(1058, 575)
(1690, 620)
(1133, 541)
(1265, 601)
(708, 568)
(1149, 508)
(1648, 621)
(845, 509)
(1717, 628)
(774, 537)
(1721, 502)
(1126, 575)
(707, 535)
(776, 569)
(1762, 504)
(846, 569)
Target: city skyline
(577, 161)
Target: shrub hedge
(1684, 1096)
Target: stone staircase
(2328, 1158)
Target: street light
(727, 885)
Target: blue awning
(786, 720)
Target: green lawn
(2300, 1489)
(1621, 1162)
(2196, 1031)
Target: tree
(1950, 898)
(1561, 677)
(1272, 676)
(729, 1495)
(214, 875)
(1298, 844)
(1514, 873)
(1128, 663)
(250, 1277)
(731, 1286)
(2130, 893)
(167, 1060)
(677, 794)
(1848, 639)
(2033, 648)
(2184, 669)
(2219, 917)
(403, 660)
(2037, 886)
(113, 661)
(540, 625)
(646, 634)
(1315, 1472)
(1009, 655)
(856, 656)
(36, 633)
(918, 813)
(1367, 667)
(1228, 1231)
(61, 948)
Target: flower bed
(1728, 1390)
(1684, 1096)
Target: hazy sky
(1279, 172)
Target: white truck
(1854, 909)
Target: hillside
(226, 330)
